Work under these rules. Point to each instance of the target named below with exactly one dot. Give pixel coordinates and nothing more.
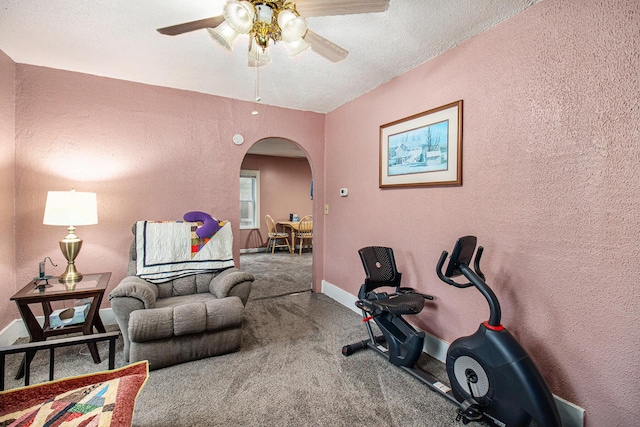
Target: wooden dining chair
(305, 232)
(277, 239)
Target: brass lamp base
(70, 247)
(70, 276)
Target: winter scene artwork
(419, 150)
(424, 149)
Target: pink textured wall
(550, 187)
(148, 153)
(551, 166)
(284, 189)
(7, 169)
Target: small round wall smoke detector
(238, 139)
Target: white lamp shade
(70, 208)
(285, 17)
(297, 46)
(224, 34)
(258, 57)
(239, 15)
(292, 27)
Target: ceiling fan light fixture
(284, 17)
(239, 15)
(297, 46)
(292, 27)
(258, 56)
(224, 34)
(272, 21)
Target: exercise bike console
(462, 254)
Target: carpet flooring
(277, 274)
(289, 372)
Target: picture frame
(423, 150)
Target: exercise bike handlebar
(476, 278)
(476, 263)
(444, 278)
(495, 313)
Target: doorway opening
(276, 180)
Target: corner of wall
(7, 186)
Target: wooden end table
(91, 286)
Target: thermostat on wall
(344, 192)
(238, 139)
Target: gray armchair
(185, 319)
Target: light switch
(326, 209)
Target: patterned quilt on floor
(102, 399)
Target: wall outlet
(326, 209)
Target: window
(249, 199)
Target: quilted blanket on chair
(167, 250)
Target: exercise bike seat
(380, 267)
(398, 304)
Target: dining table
(293, 226)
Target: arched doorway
(282, 173)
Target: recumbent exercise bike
(493, 379)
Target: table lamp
(70, 208)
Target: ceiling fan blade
(324, 47)
(174, 30)
(309, 8)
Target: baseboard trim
(571, 414)
(12, 332)
(252, 250)
(16, 329)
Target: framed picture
(424, 149)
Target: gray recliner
(185, 319)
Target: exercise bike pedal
(469, 411)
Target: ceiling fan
(271, 21)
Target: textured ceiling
(117, 38)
